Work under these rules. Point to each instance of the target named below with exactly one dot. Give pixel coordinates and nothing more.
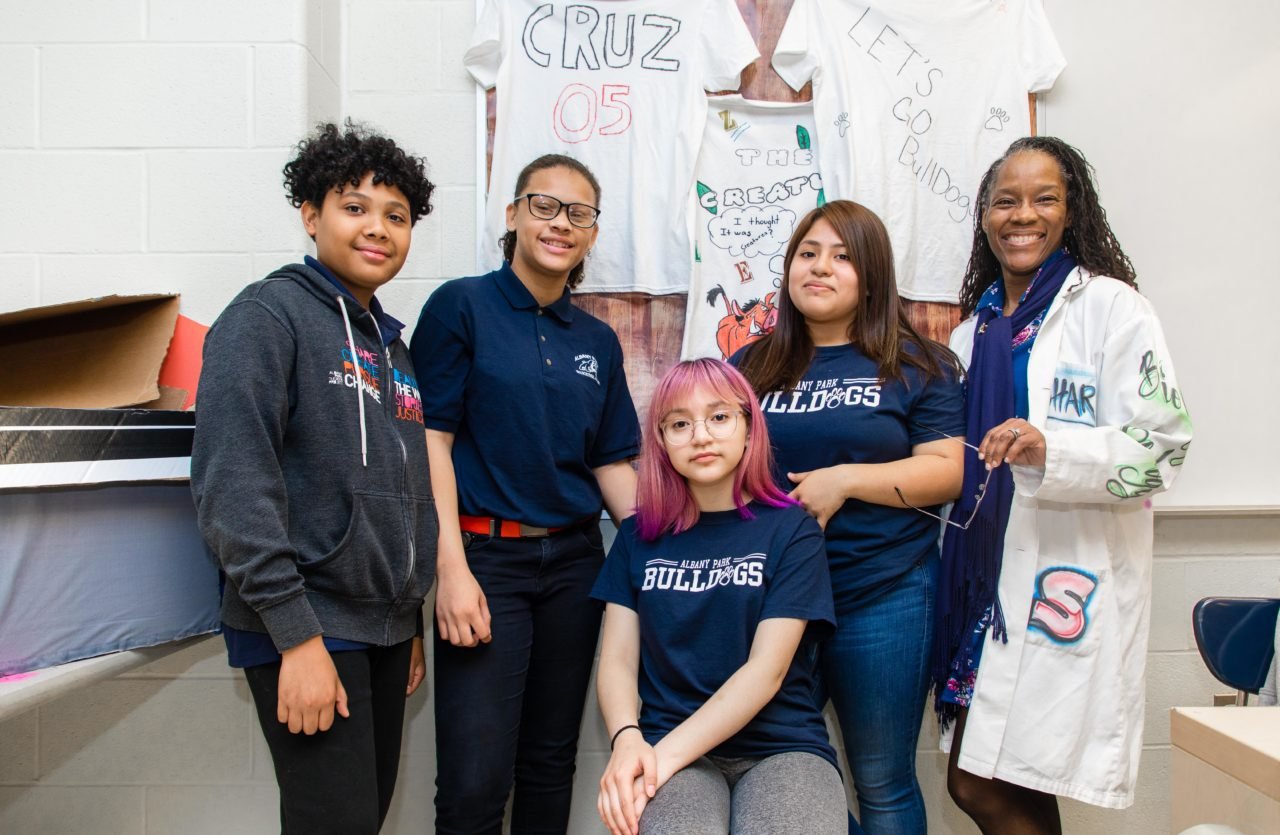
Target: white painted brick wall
(394, 46)
(237, 21)
(110, 111)
(72, 21)
(88, 201)
(144, 96)
(220, 201)
(207, 281)
(20, 277)
(17, 97)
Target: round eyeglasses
(546, 207)
(679, 431)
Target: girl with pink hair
(717, 591)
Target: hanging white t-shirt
(914, 100)
(756, 177)
(619, 85)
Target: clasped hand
(630, 780)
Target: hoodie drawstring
(355, 364)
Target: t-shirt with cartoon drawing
(914, 100)
(757, 175)
(700, 595)
(620, 86)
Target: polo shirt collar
(389, 327)
(519, 297)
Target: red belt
(504, 528)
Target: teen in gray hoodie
(311, 486)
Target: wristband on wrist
(618, 733)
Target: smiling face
(547, 250)
(708, 463)
(362, 234)
(822, 282)
(1026, 216)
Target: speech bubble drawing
(752, 231)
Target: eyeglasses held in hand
(978, 496)
(546, 207)
(679, 431)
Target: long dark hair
(542, 163)
(879, 327)
(1088, 236)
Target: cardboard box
(66, 367)
(92, 354)
(95, 555)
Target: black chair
(1236, 637)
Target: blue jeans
(508, 712)
(875, 669)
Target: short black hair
(333, 156)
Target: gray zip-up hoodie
(309, 468)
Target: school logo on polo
(703, 575)
(588, 367)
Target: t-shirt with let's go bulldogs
(621, 86)
(700, 595)
(914, 99)
(757, 175)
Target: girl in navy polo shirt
(860, 408)
(716, 592)
(530, 428)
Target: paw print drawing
(997, 120)
(842, 124)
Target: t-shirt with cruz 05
(620, 86)
(842, 412)
(535, 396)
(700, 595)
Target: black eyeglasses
(546, 207)
(978, 496)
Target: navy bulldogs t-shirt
(699, 596)
(842, 412)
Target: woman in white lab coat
(1044, 594)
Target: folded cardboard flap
(93, 354)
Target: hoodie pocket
(426, 527)
(371, 561)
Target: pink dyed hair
(663, 501)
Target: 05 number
(577, 115)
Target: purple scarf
(970, 570)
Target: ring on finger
(1015, 431)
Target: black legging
(341, 780)
(999, 808)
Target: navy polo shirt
(699, 596)
(535, 396)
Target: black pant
(509, 711)
(339, 781)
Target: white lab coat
(1059, 708)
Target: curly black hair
(1088, 236)
(333, 156)
(508, 241)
